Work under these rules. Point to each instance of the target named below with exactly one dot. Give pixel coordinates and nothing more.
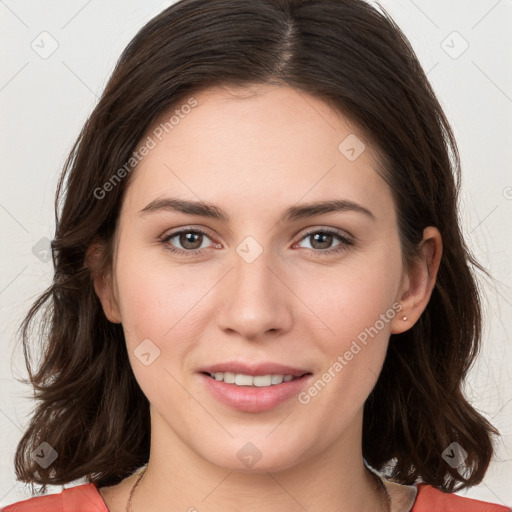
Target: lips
(253, 368)
(253, 398)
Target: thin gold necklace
(386, 498)
(129, 504)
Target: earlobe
(102, 281)
(104, 290)
(419, 282)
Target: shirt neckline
(407, 494)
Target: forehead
(265, 141)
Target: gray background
(45, 99)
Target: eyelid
(346, 242)
(186, 229)
(332, 231)
(178, 231)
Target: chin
(255, 456)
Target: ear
(419, 281)
(95, 260)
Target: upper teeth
(241, 379)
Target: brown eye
(186, 241)
(321, 241)
(189, 240)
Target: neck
(177, 478)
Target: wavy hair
(353, 56)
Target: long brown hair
(90, 408)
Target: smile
(241, 379)
(254, 393)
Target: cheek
(353, 298)
(357, 311)
(158, 308)
(161, 302)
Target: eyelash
(343, 246)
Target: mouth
(254, 388)
(259, 381)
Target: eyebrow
(204, 209)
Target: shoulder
(430, 499)
(81, 498)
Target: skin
(254, 153)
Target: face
(252, 291)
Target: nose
(254, 299)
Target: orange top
(86, 498)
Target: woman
(262, 298)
